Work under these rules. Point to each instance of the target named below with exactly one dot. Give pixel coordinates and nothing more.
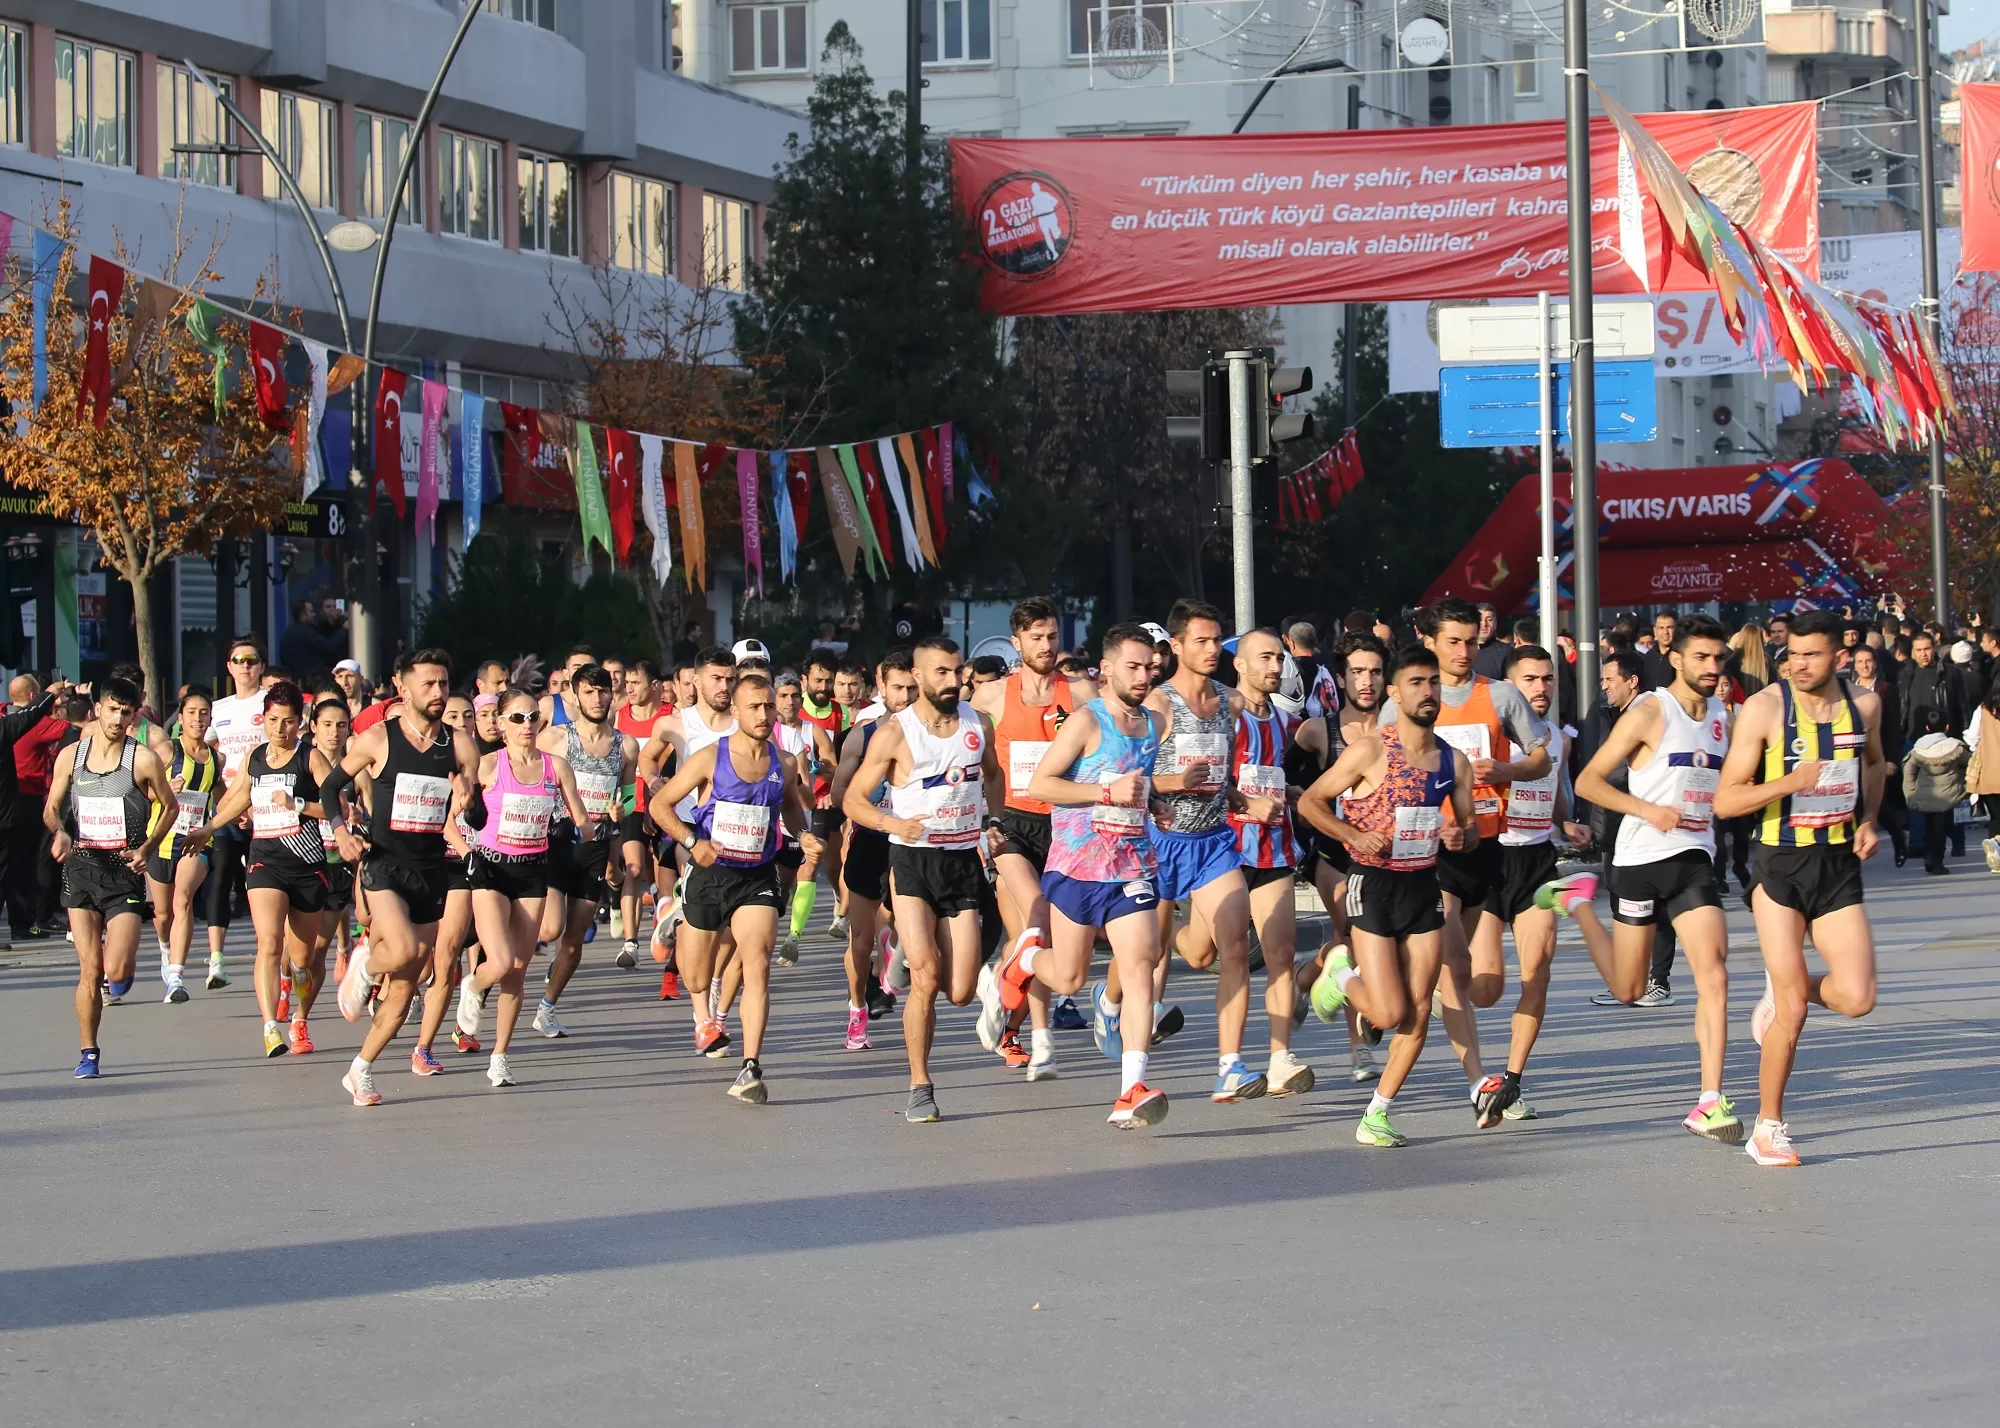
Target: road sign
(1513, 333)
(1501, 405)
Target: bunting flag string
(753, 538)
(781, 509)
(429, 436)
(653, 506)
(388, 438)
(307, 461)
(472, 419)
(107, 284)
(42, 295)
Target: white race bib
(740, 828)
(953, 821)
(1697, 805)
(100, 822)
(1475, 742)
(524, 819)
(598, 792)
(1263, 781)
(1023, 756)
(1531, 807)
(193, 809)
(1202, 747)
(1415, 842)
(420, 803)
(1832, 797)
(1120, 821)
(270, 818)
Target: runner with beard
(938, 761)
(1673, 741)
(1402, 794)
(699, 718)
(638, 711)
(330, 722)
(812, 754)
(818, 709)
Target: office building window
(767, 38)
(469, 187)
(728, 242)
(1105, 27)
(958, 31)
(642, 224)
(1527, 71)
(528, 12)
(301, 129)
(93, 103)
(548, 206)
(379, 145)
(13, 98)
(670, 37)
(191, 116)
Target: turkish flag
(388, 439)
(933, 484)
(798, 477)
(710, 459)
(878, 506)
(267, 358)
(107, 285)
(621, 455)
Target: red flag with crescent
(267, 357)
(621, 453)
(388, 442)
(798, 476)
(107, 285)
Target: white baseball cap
(1158, 632)
(750, 649)
(352, 666)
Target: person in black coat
(16, 812)
(1928, 684)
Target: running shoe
(1301, 1003)
(285, 998)
(216, 981)
(628, 955)
(749, 1085)
(837, 929)
(1012, 1052)
(1371, 1034)
(1563, 895)
(1606, 999)
(274, 1040)
(177, 992)
(1012, 978)
(1104, 1025)
(991, 1024)
(353, 994)
(1491, 1100)
(1375, 1130)
(1237, 1082)
(670, 985)
(923, 1108)
(1042, 1066)
(1771, 1144)
(547, 1022)
(1363, 1063)
(881, 1004)
(423, 1063)
(1166, 1021)
(857, 1030)
(895, 971)
(615, 925)
(788, 952)
(1327, 997)
(1715, 1120)
(590, 931)
(1991, 848)
(1519, 1111)
(110, 998)
(302, 1042)
(1063, 1015)
(710, 1038)
(1288, 1076)
(661, 943)
(466, 1045)
(1763, 1014)
(87, 1067)
(359, 1082)
(1140, 1106)
(1655, 995)
(498, 1072)
(471, 1006)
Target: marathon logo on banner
(1025, 224)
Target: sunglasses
(244, 659)
(517, 717)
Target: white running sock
(359, 1067)
(1223, 1063)
(1342, 976)
(1034, 941)
(1132, 1069)
(1042, 1043)
(1379, 1102)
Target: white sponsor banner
(1693, 338)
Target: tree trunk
(663, 608)
(142, 622)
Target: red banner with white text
(1146, 224)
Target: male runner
(1479, 717)
(938, 761)
(235, 728)
(743, 786)
(1404, 794)
(812, 754)
(1807, 756)
(1101, 858)
(819, 709)
(558, 704)
(865, 871)
(1672, 741)
(700, 718)
(421, 775)
(1027, 709)
(103, 792)
(599, 756)
(638, 710)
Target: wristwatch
(688, 842)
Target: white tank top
(1682, 774)
(696, 736)
(945, 788)
(1531, 806)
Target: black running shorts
(525, 876)
(1026, 834)
(1812, 881)
(1643, 894)
(946, 880)
(1523, 870)
(1258, 877)
(576, 870)
(715, 893)
(103, 885)
(421, 886)
(1393, 902)
(303, 883)
(866, 871)
(1469, 876)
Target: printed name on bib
(954, 815)
(1263, 781)
(1832, 797)
(100, 822)
(1697, 805)
(1023, 755)
(420, 803)
(741, 829)
(524, 819)
(597, 792)
(193, 809)
(1122, 820)
(1415, 843)
(268, 817)
(1202, 748)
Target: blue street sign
(1501, 405)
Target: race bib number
(1415, 843)
(1697, 806)
(1120, 820)
(193, 808)
(1832, 797)
(741, 829)
(524, 818)
(420, 803)
(598, 792)
(270, 818)
(100, 822)
(1209, 750)
(954, 817)
(1475, 742)
(1263, 781)
(1023, 756)
(1531, 807)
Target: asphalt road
(204, 1236)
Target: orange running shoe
(466, 1044)
(302, 1042)
(670, 985)
(1011, 1050)
(1771, 1144)
(710, 1038)
(285, 997)
(1139, 1106)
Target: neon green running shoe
(1376, 1131)
(1519, 1111)
(1328, 999)
(1716, 1122)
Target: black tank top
(278, 831)
(412, 795)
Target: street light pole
(1583, 355)
(1927, 215)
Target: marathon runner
(937, 758)
(330, 723)
(700, 718)
(818, 708)
(638, 712)
(175, 873)
(236, 726)
(812, 754)
(1807, 758)
(1672, 741)
(1403, 794)
(744, 787)
(422, 773)
(864, 872)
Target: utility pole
(1583, 354)
(913, 84)
(1927, 211)
(1349, 319)
(1246, 399)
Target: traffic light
(1283, 425)
(1269, 426)
(1208, 386)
